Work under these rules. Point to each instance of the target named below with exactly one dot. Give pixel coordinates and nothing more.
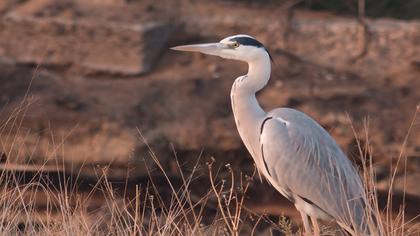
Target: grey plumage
(306, 162)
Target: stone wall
(63, 33)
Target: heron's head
(238, 47)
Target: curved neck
(244, 102)
(259, 71)
(246, 109)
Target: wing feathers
(303, 158)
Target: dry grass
(65, 211)
(385, 221)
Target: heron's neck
(246, 109)
(245, 87)
(259, 71)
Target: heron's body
(294, 153)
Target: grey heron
(292, 151)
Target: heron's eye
(235, 45)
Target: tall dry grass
(40, 207)
(385, 221)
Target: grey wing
(302, 158)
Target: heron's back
(304, 159)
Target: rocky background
(88, 83)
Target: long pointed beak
(206, 48)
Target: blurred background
(93, 84)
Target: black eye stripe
(247, 41)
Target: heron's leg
(317, 231)
(306, 225)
